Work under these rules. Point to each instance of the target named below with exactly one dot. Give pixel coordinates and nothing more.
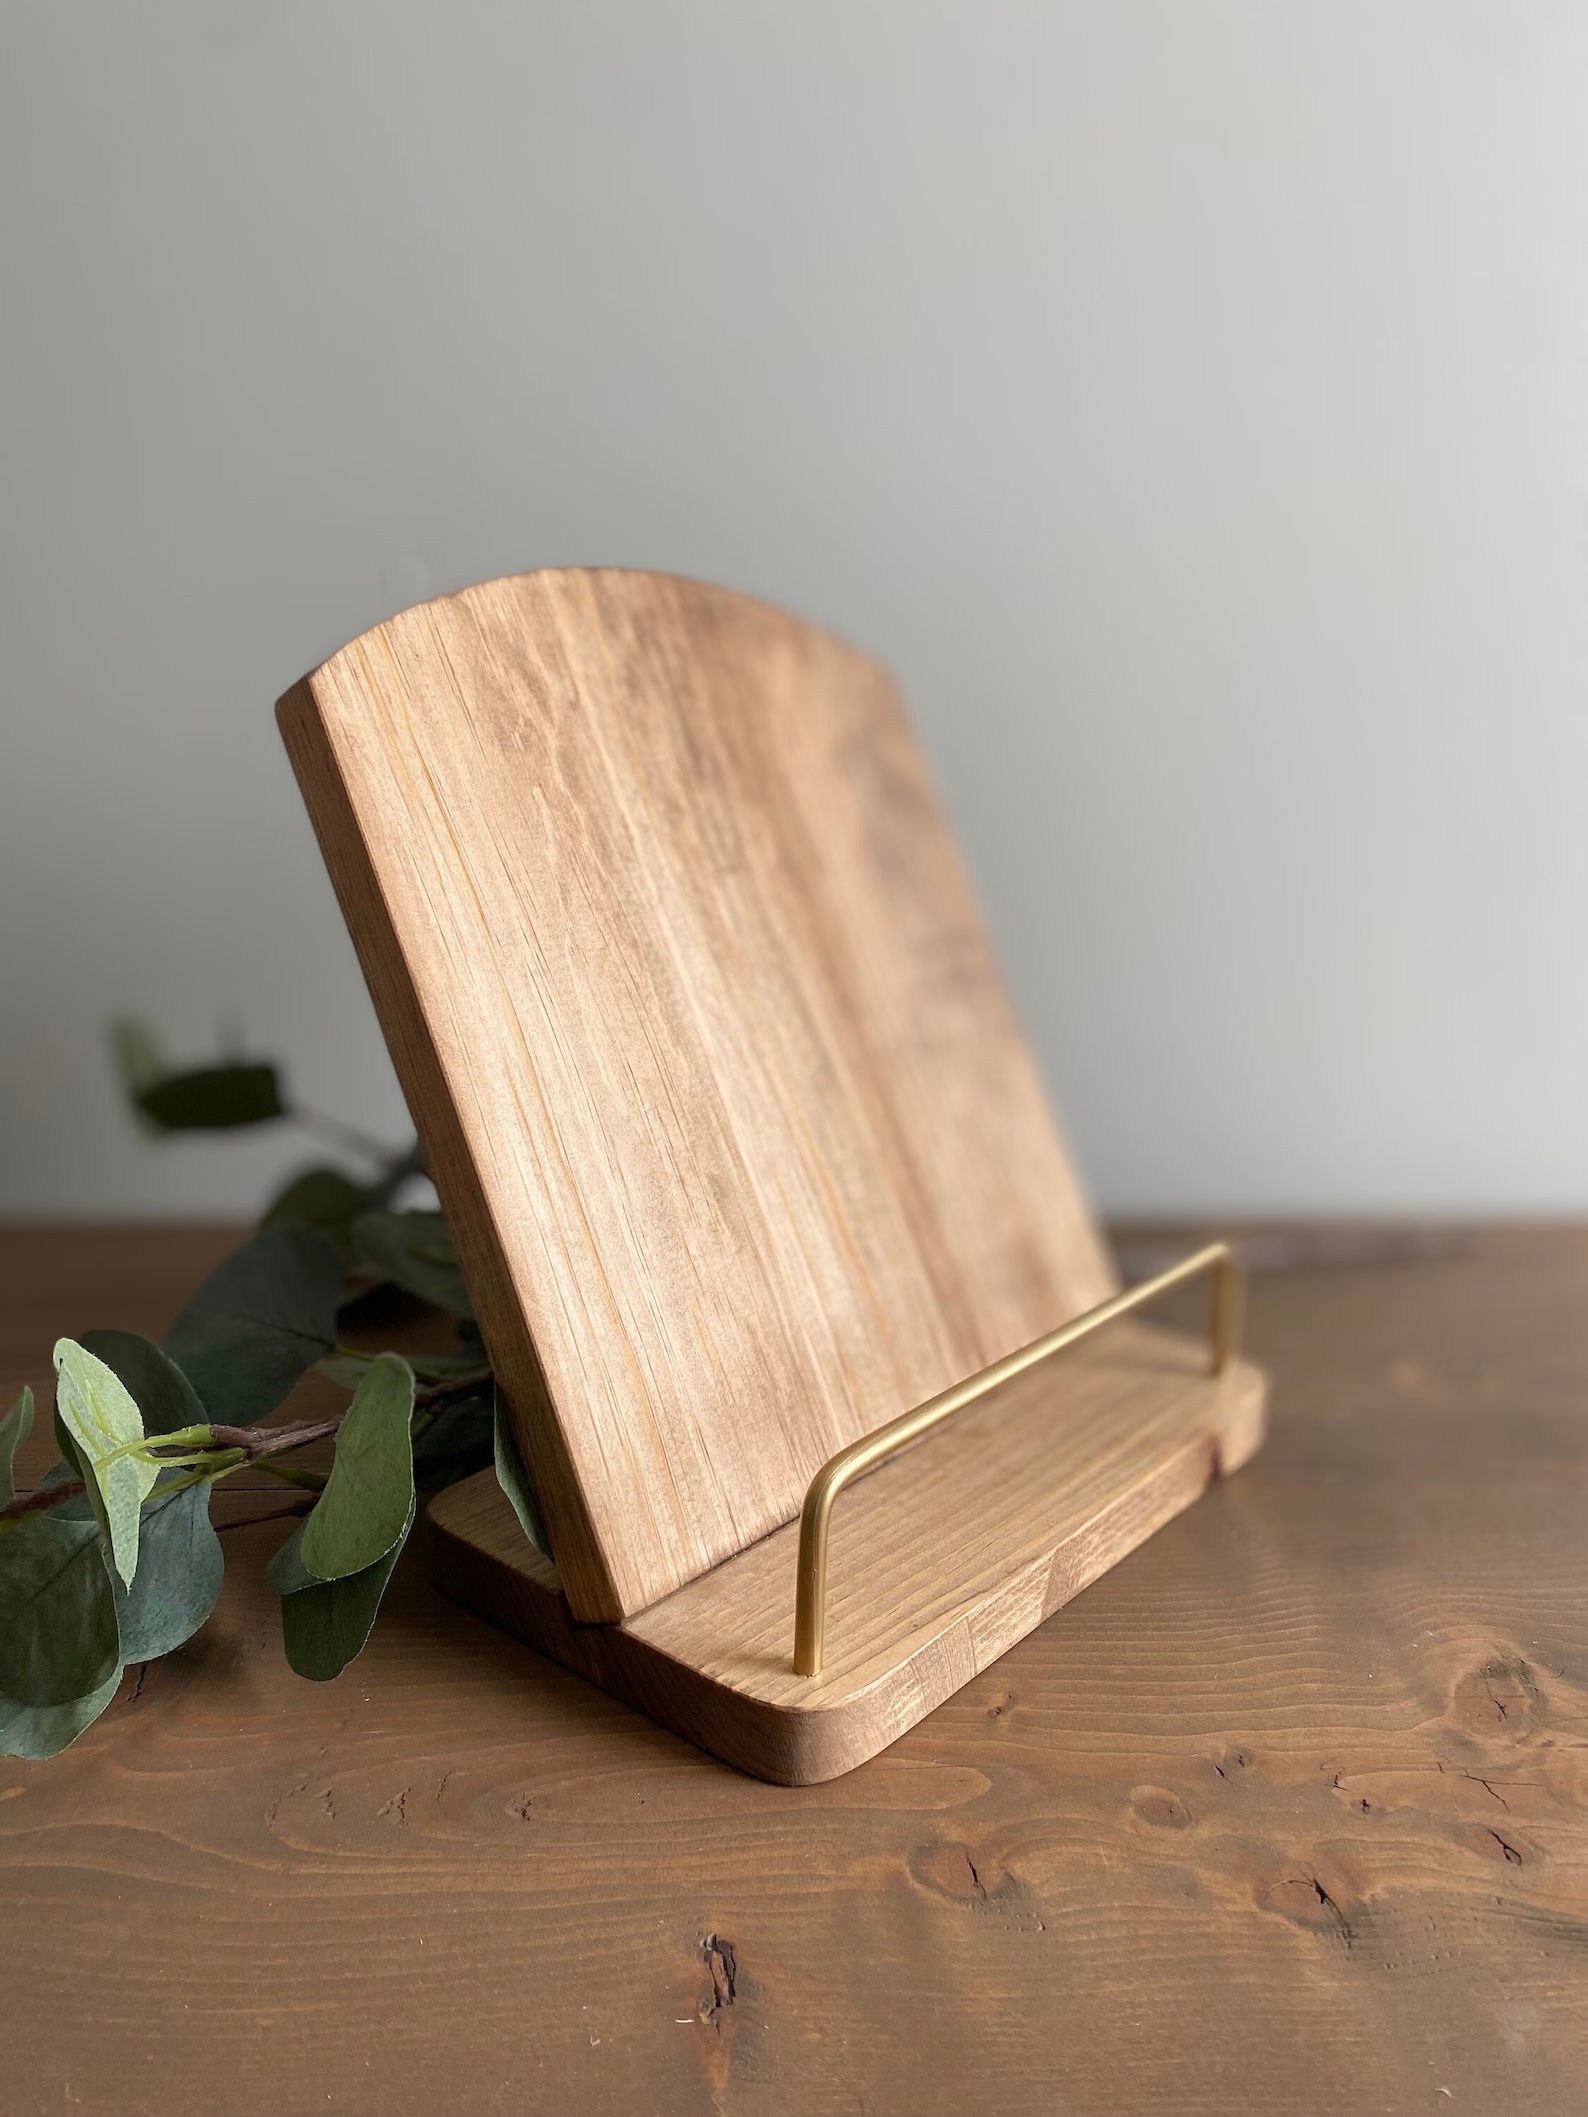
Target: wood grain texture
(941, 1560)
(1287, 1813)
(679, 969)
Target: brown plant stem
(26, 1503)
(257, 1441)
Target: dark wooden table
(1288, 1814)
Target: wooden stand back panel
(739, 1140)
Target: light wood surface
(941, 1560)
(1287, 1813)
(678, 966)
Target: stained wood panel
(697, 1019)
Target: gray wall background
(1185, 397)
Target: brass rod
(810, 1593)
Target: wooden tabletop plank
(1287, 1812)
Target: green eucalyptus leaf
(198, 1099)
(214, 1098)
(323, 1199)
(85, 1507)
(61, 1471)
(369, 1496)
(347, 1370)
(459, 1440)
(286, 1572)
(57, 1617)
(258, 1322)
(323, 1626)
(140, 1060)
(99, 1414)
(40, 1731)
(449, 1367)
(510, 1476)
(179, 1575)
(14, 1430)
(164, 1396)
(414, 1251)
(140, 1063)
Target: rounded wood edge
(703, 594)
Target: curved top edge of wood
(691, 586)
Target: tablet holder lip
(872, 1449)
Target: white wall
(1185, 397)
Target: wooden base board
(940, 1560)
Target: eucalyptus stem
(290, 1474)
(201, 1437)
(336, 1129)
(24, 1505)
(435, 1396)
(212, 1469)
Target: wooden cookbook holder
(749, 1169)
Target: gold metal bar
(810, 1592)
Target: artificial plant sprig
(112, 1559)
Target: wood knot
(1498, 1701)
(964, 1877)
(1157, 1806)
(1308, 1901)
